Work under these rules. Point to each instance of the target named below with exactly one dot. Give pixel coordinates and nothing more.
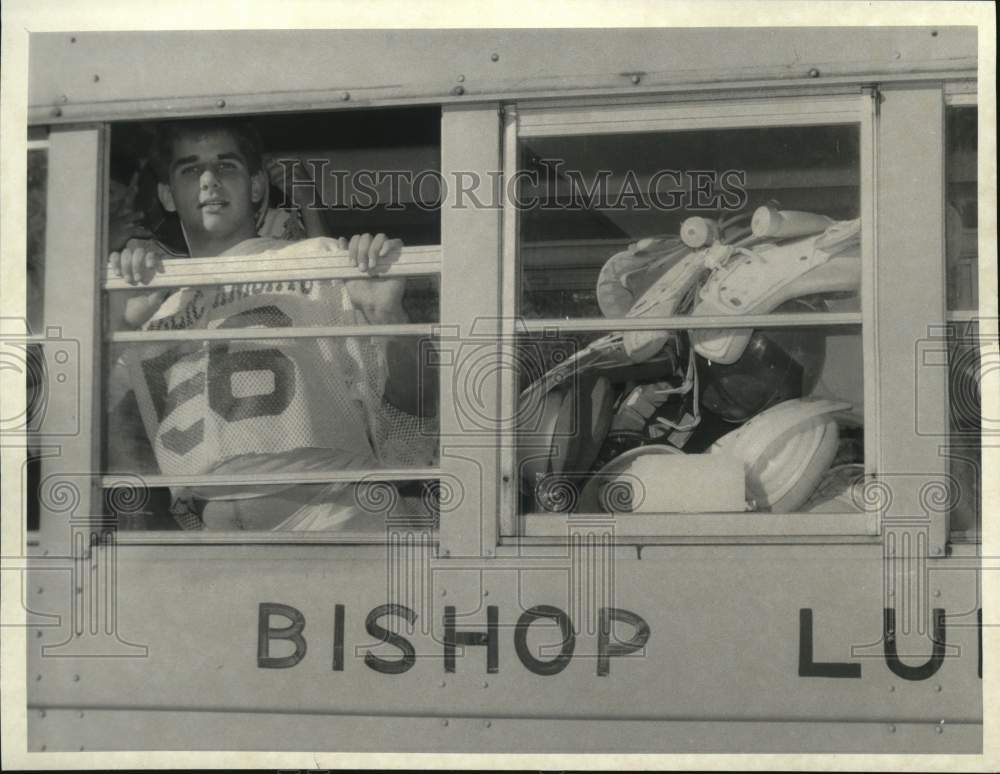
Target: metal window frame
(526, 120)
(77, 189)
(78, 184)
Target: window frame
(79, 183)
(525, 119)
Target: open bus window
(35, 358)
(961, 228)
(247, 381)
(710, 223)
(962, 273)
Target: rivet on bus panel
(345, 96)
(494, 57)
(813, 72)
(458, 91)
(220, 103)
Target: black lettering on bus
(292, 632)
(810, 668)
(606, 650)
(338, 638)
(409, 657)
(560, 662)
(489, 638)
(929, 667)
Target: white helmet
(785, 451)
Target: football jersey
(269, 405)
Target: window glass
(35, 276)
(718, 223)
(965, 367)
(38, 172)
(241, 427)
(584, 199)
(961, 229)
(965, 417)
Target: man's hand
(137, 264)
(379, 299)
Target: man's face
(211, 188)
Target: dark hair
(246, 136)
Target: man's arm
(411, 386)
(137, 264)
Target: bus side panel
(715, 633)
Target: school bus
(660, 513)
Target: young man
(269, 405)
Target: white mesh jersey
(269, 405)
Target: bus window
(35, 276)
(257, 379)
(961, 247)
(709, 215)
(35, 266)
(962, 272)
